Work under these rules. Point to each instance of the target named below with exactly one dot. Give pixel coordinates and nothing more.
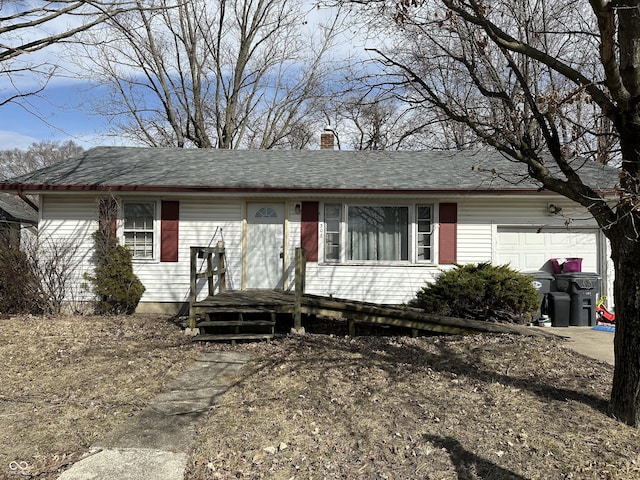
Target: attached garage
(530, 249)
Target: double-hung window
(139, 228)
(332, 221)
(378, 233)
(424, 233)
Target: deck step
(236, 323)
(232, 336)
(231, 309)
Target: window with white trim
(139, 228)
(424, 232)
(332, 220)
(378, 233)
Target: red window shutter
(448, 237)
(169, 219)
(309, 229)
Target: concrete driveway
(596, 344)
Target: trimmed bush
(481, 292)
(119, 290)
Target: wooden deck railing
(300, 281)
(210, 273)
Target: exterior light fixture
(553, 209)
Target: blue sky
(62, 111)
(55, 114)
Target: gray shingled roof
(133, 168)
(11, 213)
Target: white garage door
(526, 249)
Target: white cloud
(10, 140)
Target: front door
(265, 245)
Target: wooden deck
(271, 303)
(251, 314)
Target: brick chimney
(327, 139)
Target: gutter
(40, 188)
(26, 200)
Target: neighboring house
(376, 225)
(13, 220)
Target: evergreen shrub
(119, 290)
(481, 292)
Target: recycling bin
(559, 308)
(542, 282)
(583, 289)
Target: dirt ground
(319, 406)
(501, 407)
(66, 381)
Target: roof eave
(41, 188)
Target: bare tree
(380, 120)
(38, 277)
(371, 110)
(29, 27)
(18, 162)
(552, 85)
(223, 73)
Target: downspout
(27, 201)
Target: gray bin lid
(540, 275)
(583, 280)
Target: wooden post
(222, 270)
(193, 293)
(210, 282)
(351, 325)
(301, 273)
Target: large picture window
(378, 233)
(138, 228)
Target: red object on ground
(604, 315)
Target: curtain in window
(378, 233)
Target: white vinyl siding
(68, 222)
(203, 223)
(478, 222)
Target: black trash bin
(559, 308)
(542, 282)
(583, 289)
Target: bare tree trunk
(625, 394)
